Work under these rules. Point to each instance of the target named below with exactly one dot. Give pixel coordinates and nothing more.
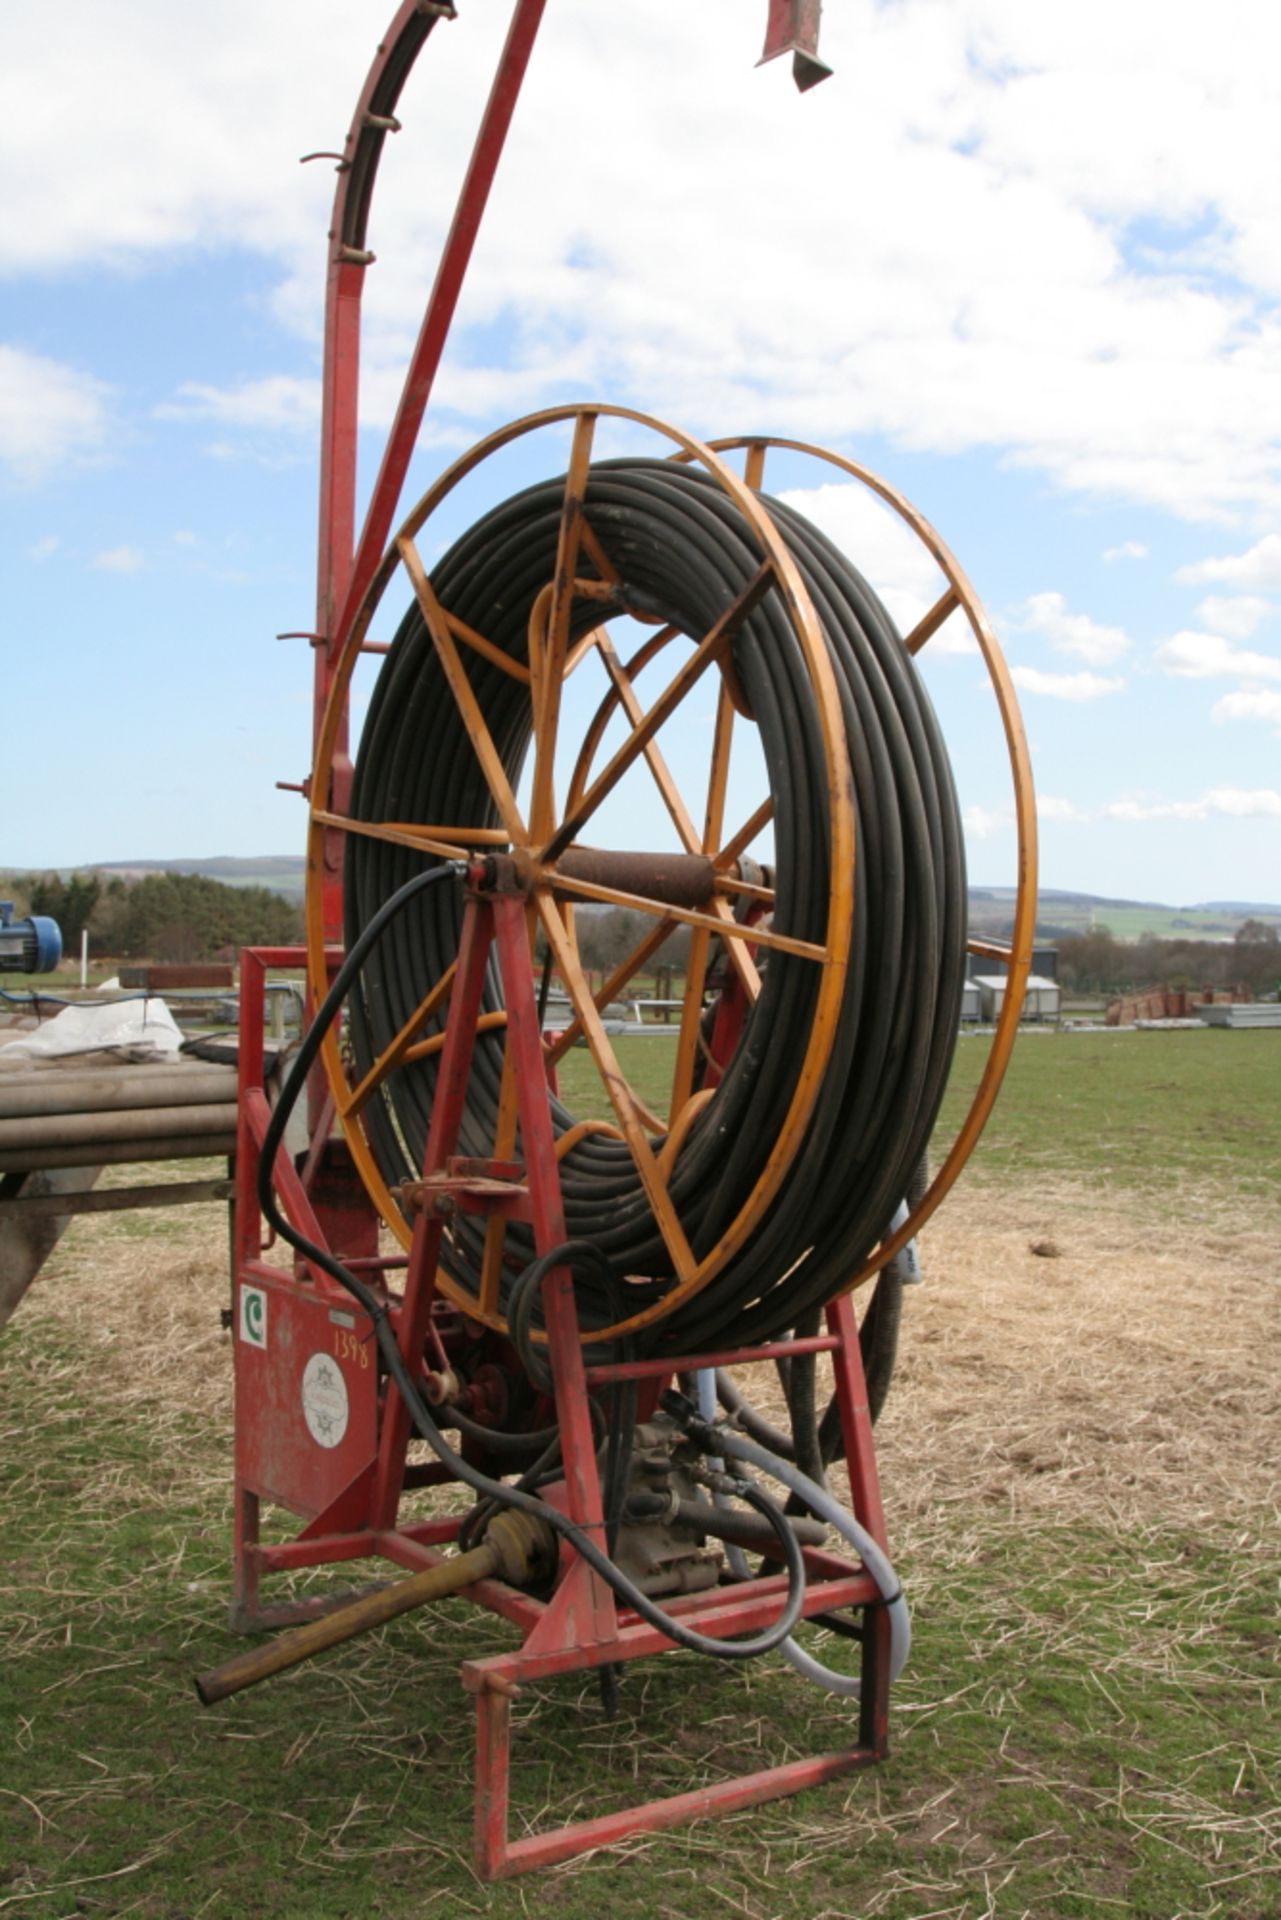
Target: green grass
(1082, 1723)
(648, 1064)
(1089, 1723)
(1135, 1111)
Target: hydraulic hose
(725, 1442)
(684, 554)
(420, 1413)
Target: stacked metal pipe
(59, 1117)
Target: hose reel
(737, 1209)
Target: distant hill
(1059, 913)
(283, 873)
(1062, 914)
(1249, 909)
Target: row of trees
(605, 939)
(163, 916)
(1097, 963)
(186, 916)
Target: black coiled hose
(684, 554)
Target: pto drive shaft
(516, 1546)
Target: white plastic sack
(145, 1029)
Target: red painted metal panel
(306, 1392)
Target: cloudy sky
(1021, 258)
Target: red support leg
(446, 1119)
(583, 1606)
(493, 1772)
(244, 1588)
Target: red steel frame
(345, 565)
(582, 1625)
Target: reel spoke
(515, 669)
(428, 1049)
(589, 540)
(722, 922)
(928, 625)
(734, 849)
(392, 1056)
(668, 790)
(710, 648)
(623, 972)
(700, 942)
(633, 1117)
(487, 754)
(547, 662)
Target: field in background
(1079, 1462)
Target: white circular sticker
(324, 1400)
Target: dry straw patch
(1121, 1382)
(1069, 1358)
(1072, 1359)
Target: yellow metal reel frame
(539, 841)
(958, 595)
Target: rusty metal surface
(27, 1240)
(680, 880)
(118, 1153)
(158, 977)
(114, 1126)
(35, 1203)
(53, 1088)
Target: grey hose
(736, 1446)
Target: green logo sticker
(253, 1316)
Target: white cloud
(46, 548)
(278, 402)
(1050, 807)
(1258, 567)
(119, 560)
(1259, 705)
(51, 415)
(185, 538)
(888, 554)
(999, 288)
(1208, 656)
(1135, 810)
(1259, 803)
(1128, 550)
(1065, 686)
(982, 823)
(1047, 614)
(1233, 803)
(1237, 615)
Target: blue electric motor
(28, 946)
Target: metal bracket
(793, 28)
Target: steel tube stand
(582, 1625)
